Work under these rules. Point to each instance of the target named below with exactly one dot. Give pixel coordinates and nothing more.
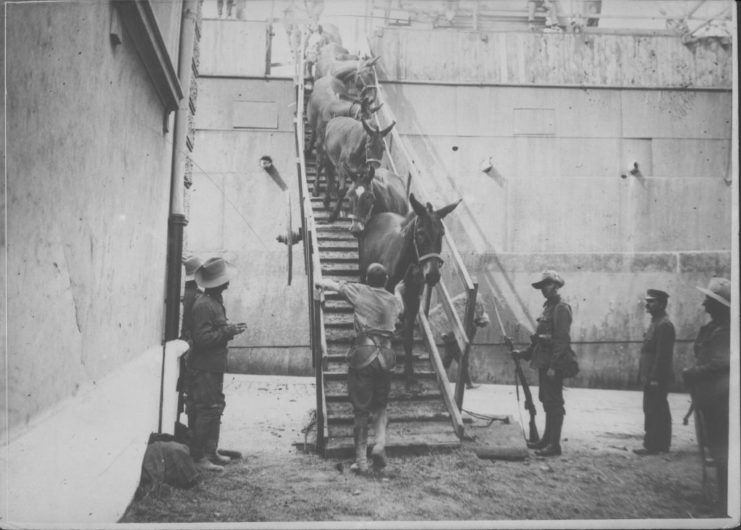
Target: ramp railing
(402, 162)
(318, 339)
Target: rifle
(529, 405)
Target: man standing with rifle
(550, 353)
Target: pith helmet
(214, 272)
(549, 276)
(718, 289)
(191, 266)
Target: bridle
(424, 257)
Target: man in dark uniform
(211, 333)
(371, 358)
(549, 353)
(708, 380)
(656, 373)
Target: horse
(409, 247)
(350, 146)
(380, 191)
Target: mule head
(362, 201)
(374, 146)
(427, 236)
(364, 75)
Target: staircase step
(401, 438)
(340, 269)
(336, 385)
(349, 256)
(336, 305)
(338, 363)
(398, 411)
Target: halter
(425, 257)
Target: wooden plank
(455, 414)
(398, 411)
(338, 387)
(399, 430)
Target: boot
(205, 464)
(361, 446)
(212, 443)
(378, 454)
(540, 444)
(554, 441)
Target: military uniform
(656, 373)
(551, 344)
(550, 349)
(708, 380)
(208, 361)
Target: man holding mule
(370, 360)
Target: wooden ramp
(418, 420)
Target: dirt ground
(598, 476)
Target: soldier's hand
(236, 329)
(551, 373)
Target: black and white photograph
(364, 264)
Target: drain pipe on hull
(177, 220)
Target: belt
(377, 341)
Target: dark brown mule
(409, 247)
(350, 146)
(380, 191)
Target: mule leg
(337, 207)
(329, 169)
(413, 287)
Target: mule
(381, 191)
(349, 147)
(409, 247)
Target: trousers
(657, 418)
(368, 388)
(208, 403)
(550, 392)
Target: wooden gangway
(425, 417)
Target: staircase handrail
(317, 335)
(463, 331)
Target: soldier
(708, 380)
(211, 333)
(656, 373)
(550, 353)
(371, 358)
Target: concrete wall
(88, 192)
(233, 48)
(555, 197)
(88, 182)
(237, 211)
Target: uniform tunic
(710, 384)
(208, 360)
(549, 350)
(656, 365)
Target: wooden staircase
(418, 419)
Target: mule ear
(445, 210)
(373, 110)
(368, 128)
(372, 61)
(388, 129)
(416, 205)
